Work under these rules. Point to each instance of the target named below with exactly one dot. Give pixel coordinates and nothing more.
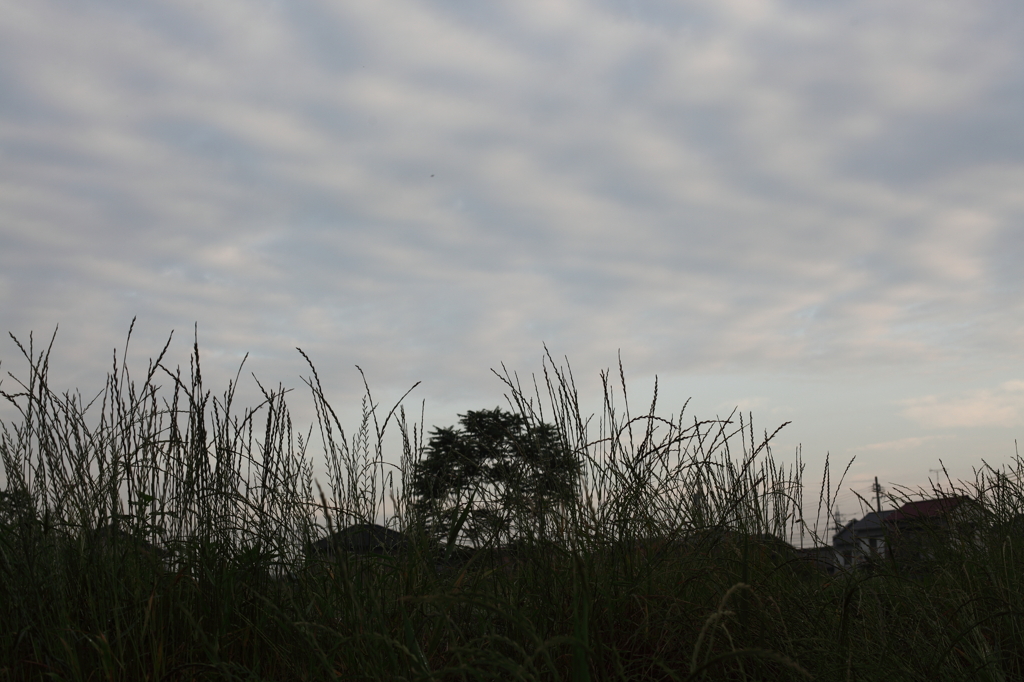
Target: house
(918, 529)
(363, 538)
(114, 541)
(911, 533)
(862, 542)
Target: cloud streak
(1001, 406)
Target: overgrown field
(160, 533)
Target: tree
(504, 474)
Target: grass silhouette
(162, 534)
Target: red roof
(926, 509)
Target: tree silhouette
(503, 475)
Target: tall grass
(159, 532)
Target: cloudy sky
(809, 210)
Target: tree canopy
(505, 474)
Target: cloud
(1001, 406)
(741, 405)
(433, 190)
(900, 444)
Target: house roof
(871, 524)
(845, 534)
(364, 538)
(872, 521)
(927, 509)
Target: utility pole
(877, 489)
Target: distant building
(918, 529)
(363, 538)
(862, 542)
(912, 533)
(114, 541)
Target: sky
(809, 211)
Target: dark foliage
(500, 475)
